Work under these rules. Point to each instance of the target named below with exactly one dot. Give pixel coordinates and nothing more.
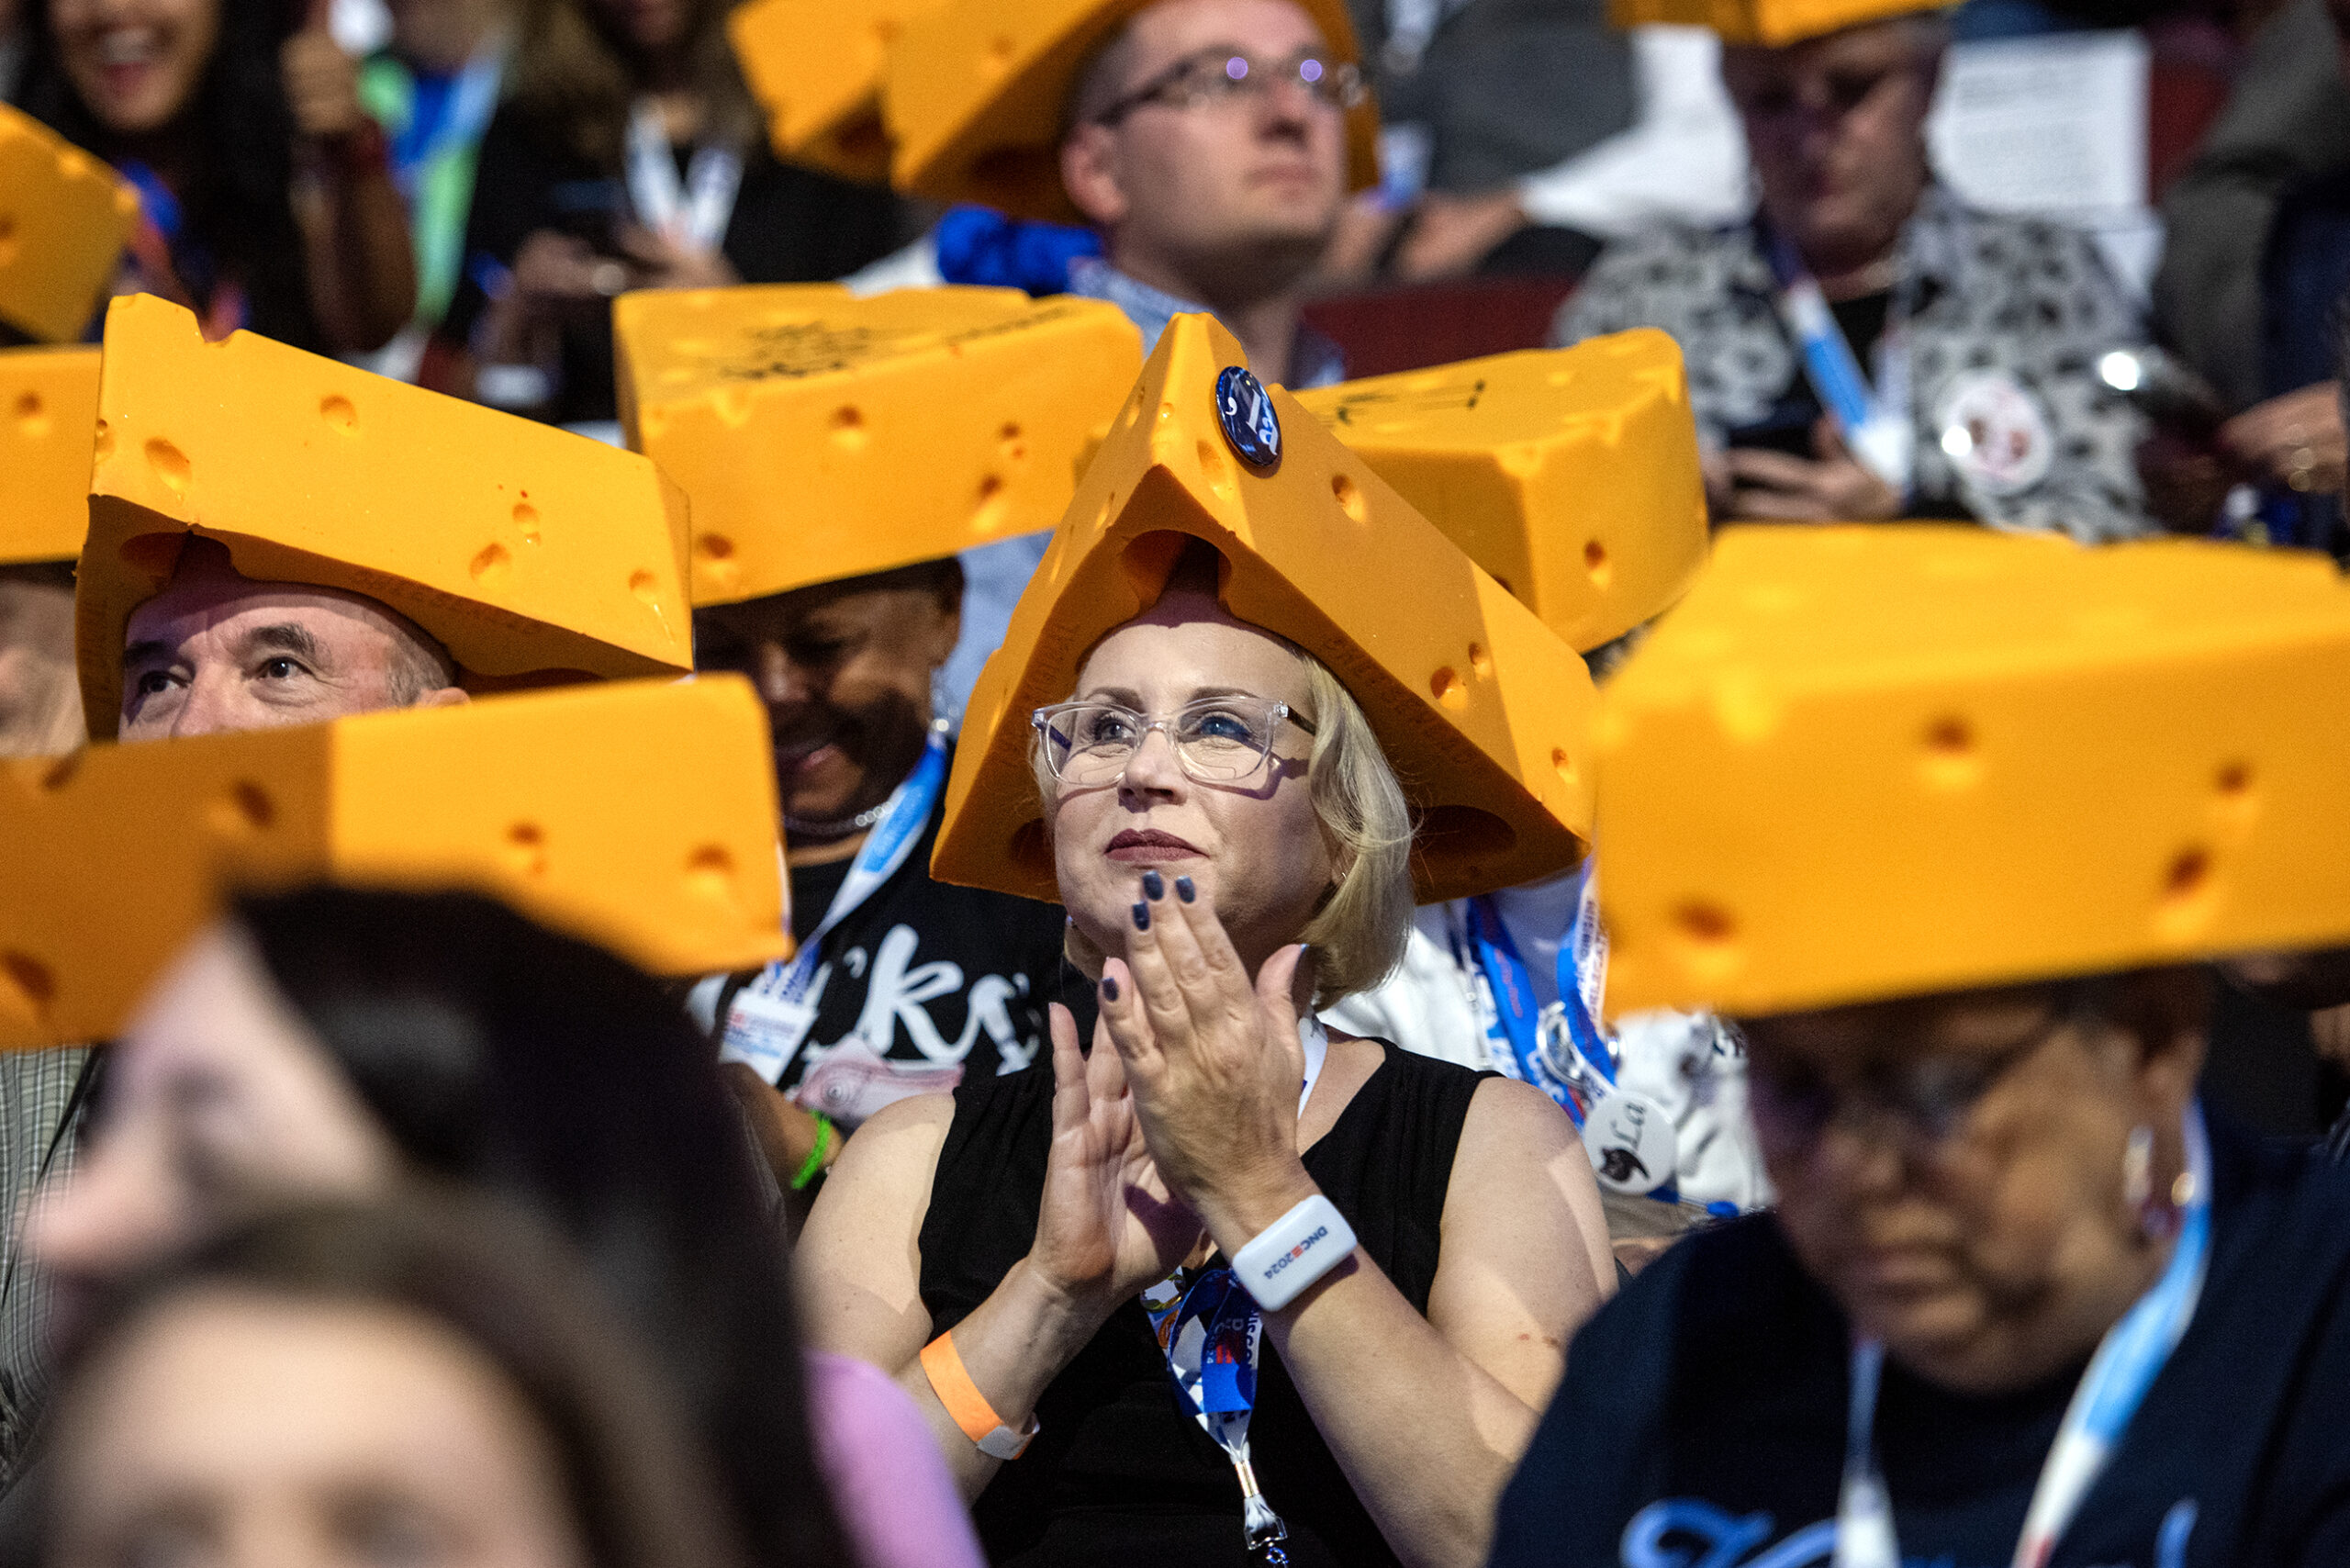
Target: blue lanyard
(2128, 1359)
(1876, 423)
(1517, 1015)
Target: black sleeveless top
(1121, 1474)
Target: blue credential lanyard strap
(1876, 423)
(1518, 1015)
(2128, 1360)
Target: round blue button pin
(1246, 414)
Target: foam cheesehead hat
(530, 553)
(978, 91)
(1771, 23)
(639, 814)
(48, 410)
(1571, 474)
(1482, 711)
(815, 66)
(64, 217)
(819, 435)
(1861, 763)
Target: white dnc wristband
(1293, 1252)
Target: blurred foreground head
(369, 1385)
(335, 1042)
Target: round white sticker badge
(1630, 1141)
(1995, 433)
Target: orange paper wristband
(943, 1364)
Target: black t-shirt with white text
(1702, 1420)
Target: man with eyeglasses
(1866, 347)
(1951, 823)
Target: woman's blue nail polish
(1142, 917)
(1154, 886)
(1109, 989)
(1184, 890)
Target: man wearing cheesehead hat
(1210, 143)
(1866, 346)
(1572, 475)
(837, 453)
(1950, 823)
(275, 538)
(1252, 706)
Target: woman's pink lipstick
(1149, 846)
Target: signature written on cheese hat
(638, 814)
(64, 217)
(49, 411)
(1571, 474)
(978, 94)
(1771, 23)
(526, 550)
(1863, 763)
(1479, 709)
(820, 436)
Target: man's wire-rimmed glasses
(1217, 740)
(1220, 77)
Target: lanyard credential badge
(1212, 1334)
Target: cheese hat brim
(820, 436)
(978, 92)
(640, 815)
(1863, 763)
(64, 219)
(1571, 474)
(1481, 711)
(528, 551)
(49, 412)
(1771, 24)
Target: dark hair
(637, 1484)
(239, 176)
(572, 82)
(500, 1054)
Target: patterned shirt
(36, 1091)
(2010, 318)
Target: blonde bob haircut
(1358, 932)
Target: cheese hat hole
(526, 518)
(1595, 563)
(60, 772)
(32, 415)
(103, 441)
(492, 564)
(1010, 445)
(2189, 874)
(1707, 925)
(847, 426)
(244, 807)
(987, 515)
(1481, 663)
(337, 411)
(714, 546)
(1952, 759)
(1214, 469)
(526, 848)
(1002, 50)
(170, 463)
(647, 587)
(1348, 494)
(1565, 767)
(1447, 686)
(710, 873)
(28, 987)
(2234, 780)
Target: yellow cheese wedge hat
(1571, 474)
(1771, 23)
(526, 550)
(978, 94)
(1480, 710)
(819, 435)
(1858, 762)
(815, 66)
(639, 814)
(49, 410)
(64, 217)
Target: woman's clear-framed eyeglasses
(1217, 740)
(1220, 77)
